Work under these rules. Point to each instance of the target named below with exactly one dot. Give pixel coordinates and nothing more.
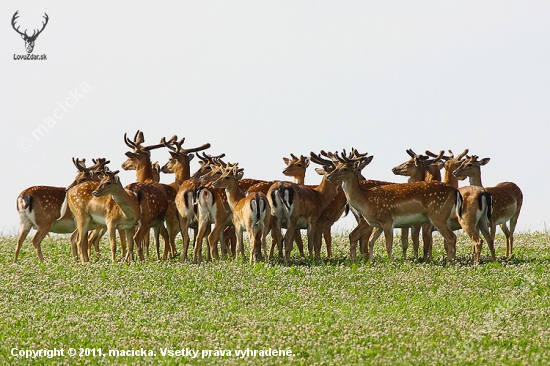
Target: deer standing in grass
(398, 205)
(157, 200)
(105, 203)
(251, 213)
(297, 206)
(418, 168)
(179, 164)
(507, 199)
(41, 208)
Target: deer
(418, 168)
(476, 203)
(297, 206)
(507, 199)
(105, 203)
(29, 40)
(158, 200)
(398, 205)
(179, 165)
(41, 208)
(251, 213)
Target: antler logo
(29, 40)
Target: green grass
(333, 312)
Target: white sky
(262, 79)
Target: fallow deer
(251, 213)
(507, 199)
(105, 203)
(398, 205)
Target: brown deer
(41, 208)
(297, 206)
(179, 165)
(251, 213)
(398, 205)
(418, 168)
(157, 201)
(507, 199)
(105, 203)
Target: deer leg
(213, 239)
(427, 230)
(357, 233)
(300, 243)
(37, 239)
(449, 237)
(405, 240)
(122, 236)
(415, 236)
(328, 241)
(484, 228)
(289, 238)
(112, 240)
(388, 234)
(184, 229)
(25, 229)
(73, 240)
(468, 224)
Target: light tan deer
(105, 203)
(251, 213)
(398, 205)
(507, 199)
(41, 208)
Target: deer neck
(127, 202)
(234, 194)
(300, 179)
(450, 179)
(418, 176)
(328, 190)
(144, 173)
(475, 180)
(181, 174)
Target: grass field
(334, 312)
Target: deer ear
(484, 161)
(307, 162)
(286, 160)
(190, 156)
(320, 171)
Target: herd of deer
(219, 205)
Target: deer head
(29, 40)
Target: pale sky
(262, 79)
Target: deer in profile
(398, 205)
(106, 203)
(41, 208)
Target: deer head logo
(29, 40)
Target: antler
(13, 19)
(138, 141)
(178, 149)
(319, 160)
(43, 26)
(79, 164)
